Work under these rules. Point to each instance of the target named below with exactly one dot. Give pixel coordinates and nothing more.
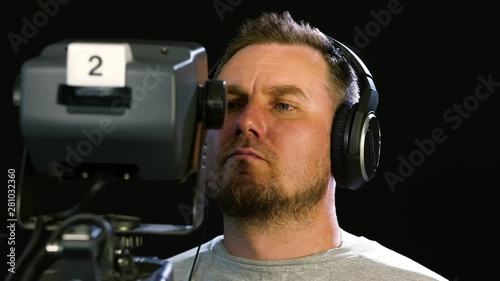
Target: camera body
(144, 125)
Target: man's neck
(286, 240)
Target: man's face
(273, 153)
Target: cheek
(226, 134)
(224, 137)
(302, 148)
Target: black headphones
(355, 138)
(355, 145)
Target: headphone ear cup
(338, 144)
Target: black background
(425, 60)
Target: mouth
(245, 153)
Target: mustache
(243, 142)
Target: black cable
(42, 221)
(28, 274)
(94, 189)
(201, 242)
(103, 179)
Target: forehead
(265, 65)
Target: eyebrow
(237, 90)
(276, 90)
(284, 90)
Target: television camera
(108, 112)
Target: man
(272, 176)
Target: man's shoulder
(377, 257)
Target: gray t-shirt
(357, 259)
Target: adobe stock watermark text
(454, 116)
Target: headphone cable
(200, 243)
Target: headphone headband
(368, 94)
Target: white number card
(97, 64)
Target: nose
(251, 121)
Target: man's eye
(231, 105)
(284, 106)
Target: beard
(262, 200)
